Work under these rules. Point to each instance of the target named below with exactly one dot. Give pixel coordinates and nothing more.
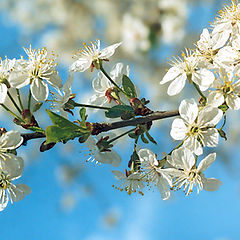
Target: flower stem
(199, 91)
(14, 103)
(224, 121)
(19, 98)
(29, 99)
(7, 109)
(90, 106)
(121, 135)
(110, 79)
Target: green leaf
(82, 114)
(118, 111)
(144, 139)
(56, 134)
(128, 87)
(150, 138)
(37, 106)
(62, 122)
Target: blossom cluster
(213, 69)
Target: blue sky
(209, 216)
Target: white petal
(10, 140)
(171, 75)
(188, 110)
(12, 164)
(118, 175)
(194, 145)
(3, 199)
(215, 99)
(147, 156)
(19, 79)
(203, 78)
(39, 90)
(54, 80)
(206, 162)
(211, 184)
(182, 158)
(179, 129)
(3, 92)
(177, 85)
(220, 34)
(233, 102)
(19, 192)
(210, 137)
(163, 189)
(81, 65)
(100, 84)
(209, 116)
(109, 51)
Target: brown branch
(104, 127)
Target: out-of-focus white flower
(196, 127)
(186, 173)
(60, 98)
(9, 190)
(105, 90)
(6, 66)
(187, 69)
(10, 141)
(39, 67)
(227, 90)
(89, 56)
(135, 35)
(106, 157)
(129, 182)
(154, 173)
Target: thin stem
(7, 109)
(110, 79)
(19, 98)
(90, 106)
(14, 103)
(114, 139)
(199, 91)
(29, 99)
(224, 121)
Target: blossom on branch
(39, 67)
(90, 56)
(187, 174)
(196, 127)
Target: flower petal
(81, 65)
(3, 92)
(178, 129)
(19, 192)
(39, 90)
(10, 140)
(109, 51)
(188, 110)
(211, 184)
(206, 162)
(172, 73)
(177, 85)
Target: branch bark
(105, 127)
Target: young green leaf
(128, 87)
(118, 110)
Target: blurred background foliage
(72, 198)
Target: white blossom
(106, 92)
(187, 69)
(61, 98)
(39, 67)
(8, 189)
(106, 157)
(10, 141)
(154, 173)
(89, 56)
(186, 174)
(130, 182)
(227, 90)
(196, 126)
(6, 66)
